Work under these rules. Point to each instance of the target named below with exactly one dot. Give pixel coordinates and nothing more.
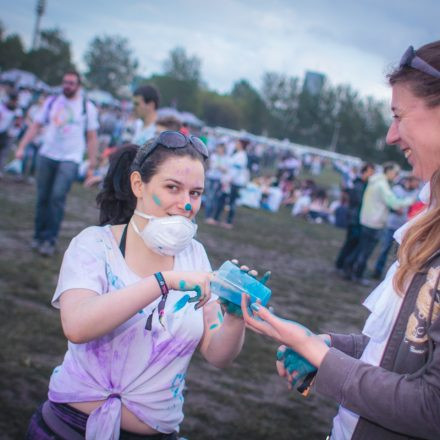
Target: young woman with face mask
(135, 302)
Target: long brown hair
(422, 239)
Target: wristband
(162, 284)
(161, 307)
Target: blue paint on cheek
(188, 207)
(213, 326)
(156, 200)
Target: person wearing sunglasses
(135, 302)
(386, 379)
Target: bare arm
(289, 333)
(85, 315)
(223, 336)
(30, 134)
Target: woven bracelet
(161, 307)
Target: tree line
(336, 118)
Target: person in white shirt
(71, 125)
(135, 300)
(238, 178)
(146, 102)
(8, 113)
(218, 165)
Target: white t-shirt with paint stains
(66, 124)
(144, 370)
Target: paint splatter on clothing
(142, 370)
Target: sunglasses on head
(174, 140)
(410, 59)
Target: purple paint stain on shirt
(172, 348)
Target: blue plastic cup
(230, 282)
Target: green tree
(11, 51)
(51, 59)
(178, 93)
(254, 113)
(281, 95)
(220, 110)
(183, 67)
(110, 63)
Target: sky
(351, 42)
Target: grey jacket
(400, 399)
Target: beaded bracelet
(161, 307)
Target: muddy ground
(248, 400)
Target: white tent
(101, 97)
(184, 117)
(20, 78)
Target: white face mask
(166, 235)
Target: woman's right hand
(191, 281)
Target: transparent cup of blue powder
(229, 282)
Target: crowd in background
(241, 172)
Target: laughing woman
(135, 302)
(387, 379)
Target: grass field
(248, 400)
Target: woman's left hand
(289, 333)
(292, 366)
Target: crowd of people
(378, 204)
(237, 171)
(126, 288)
(241, 171)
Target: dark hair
(387, 166)
(149, 93)
(116, 200)
(169, 122)
(13, 96)
(422, 85)
(244, 142)
(73, 72)
(366, 166)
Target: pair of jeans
(232, 196)
(387, 241)
(350, 244)
(212, 192)
(30, 159)
(4, 147)
(356, 262)
(54, 179)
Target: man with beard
(71, 123)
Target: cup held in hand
(229, 282)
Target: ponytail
(116, 200)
